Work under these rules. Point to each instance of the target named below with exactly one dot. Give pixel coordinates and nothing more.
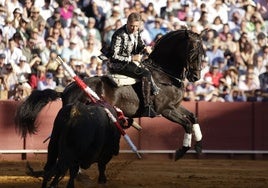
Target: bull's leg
(60, 171)
(102, 167)
(73, 173)
(177, 117)
(102, 177)
(196, 128)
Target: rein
(159, 69)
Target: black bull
(82, 135)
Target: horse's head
(179, 54)
(195, 53)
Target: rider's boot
(148, 106)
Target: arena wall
(228, 128)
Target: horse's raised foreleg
(177, 117)
(195, 128)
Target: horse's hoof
(180, 152)
(198, 147)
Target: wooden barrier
(226, 127)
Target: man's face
(133, 27)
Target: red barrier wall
(225, 126)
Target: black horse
(176, 57)
(82, 135)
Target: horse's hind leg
(196, 128)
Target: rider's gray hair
(134, 17)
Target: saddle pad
(122, 80)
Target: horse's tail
(28, 110)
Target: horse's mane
(176, 49)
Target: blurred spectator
(2, 63)
(27, 7)
(66, 11)
(259, 66)
(58, 34)
(108, 35)
(92, 66)
(47, 10)
(110, 21)
(36, 76)
(23, 66)
(138, 6)
(189, 94)
(80, 69)
(229, 44)
(10, 5)
(156, 28)
(36, 36)
(10, 78)
(92, 30)
(2, 42)
(75, 33)
(80, 17)
(35, 18)
(248, 84)
(231, 77)
(71, 50)
(22, 29)
(205, 89)
(262, 41)
(8, 30)
(56, 17)
(89, 51)
(214, 53)
(217, 24)
(150, 11)
(169, 8)
(50, 45)
(60, 78)
(93, 10)
(12, 52)
(3, 85)
(214, 75)
(236, 95)
(48, 83)
(52, 64)
(17, 14)
(264, 80)
(205, 67)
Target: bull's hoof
(180, 152)
(102, 180)
(30, 171)
(198, 147)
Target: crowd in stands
(34, 32)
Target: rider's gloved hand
(136, 57)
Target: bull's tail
(28, 110)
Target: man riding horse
(125, 51)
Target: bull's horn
(136, 126)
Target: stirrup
(155, 90)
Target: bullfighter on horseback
(126, 49)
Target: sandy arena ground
(147, 173)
